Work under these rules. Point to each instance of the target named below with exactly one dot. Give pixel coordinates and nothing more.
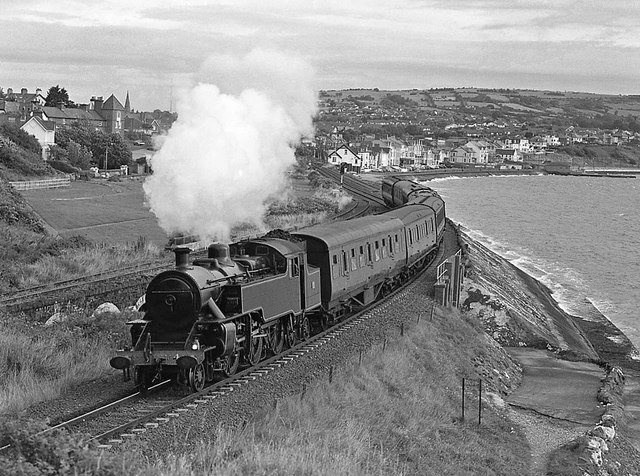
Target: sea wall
(518, 310)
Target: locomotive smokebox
(220, 252)
(182, 256)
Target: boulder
(106, 308)
(56, 318)
(607, 433)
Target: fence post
(331, 374)
(360, 359)
(463, 399)
(479, 402)
(402, 328)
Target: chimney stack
(182, 256)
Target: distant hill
(547, 110)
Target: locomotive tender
(204, 319)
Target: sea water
(580, 236)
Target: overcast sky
(154, 47)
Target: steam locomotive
(204, 319)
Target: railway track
(362, 189)
(46, 292)
(124, 419)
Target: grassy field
(99, 210)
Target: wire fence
(40, 184)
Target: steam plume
(228, 151)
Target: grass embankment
(397, 412)
(39, 363)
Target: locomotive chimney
(182, 256)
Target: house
(463, 155)
(508, 155)
(25, 101)
(112, 111)
(65, 116)
(481, 150)
(369, 161)
(44, 131)
(344, 154)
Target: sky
(157, 48)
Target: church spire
(127, 105)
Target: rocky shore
(519, 312)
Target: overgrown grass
(41, 260)
(40, 363)
(396, 413)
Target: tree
(110, 148)
(84, 144)
(79, 155)
(56, 96)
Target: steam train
(204, 319)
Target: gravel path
(544, 435)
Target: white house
(344, 154)
(44, 131)
(508, 155)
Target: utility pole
(106, 154)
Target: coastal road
(557, 388)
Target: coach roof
(342, 232)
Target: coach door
(299, 268)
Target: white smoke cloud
(234, 139)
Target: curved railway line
(124, 419)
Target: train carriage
(355, 260)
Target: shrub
(21, 138)
(57, 453)
(62, 166)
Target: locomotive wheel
(305, 329)
(197, 377)
(290, 337)
(231, 365)
(276, 338)
(253, 354)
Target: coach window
(377, 251)
(295, 267)
(410, 237)
(334, 267)
(369, 256)
(390, 245)
(354, 261)
(384, 247)
(361, 256)
(345, 263)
